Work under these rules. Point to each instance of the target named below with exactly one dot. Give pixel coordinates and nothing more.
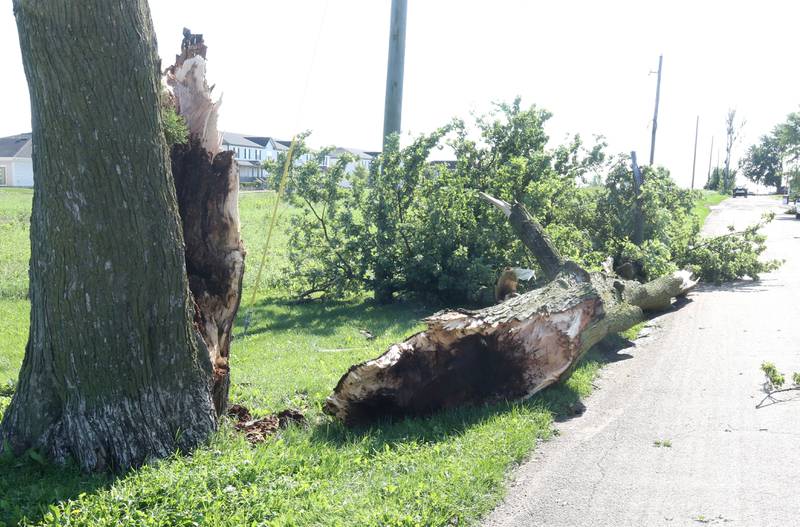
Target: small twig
(773, 392)
(336, 350)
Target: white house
(16, 164)
(248, 153)
(362, 158)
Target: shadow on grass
(28, 487)
(325, 318)
(562, 401)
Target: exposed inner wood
(207, 186)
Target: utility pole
(710, 155)
(655, 114)
(391, 125)
(394, 72)
(694, 160)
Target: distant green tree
(793, 181)
(733, 131)
(762, 163)
(715, 179)
(788, 136)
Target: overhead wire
(285, 175)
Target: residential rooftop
(16, 145)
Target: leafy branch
(774, 383)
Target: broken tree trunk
(207, 187)
(114, 372)
(508, 351)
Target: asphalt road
(693, 382)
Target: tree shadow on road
(739, 286)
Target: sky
(283, 67)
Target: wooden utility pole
(391, 125)
(655, 114)
(394, 72)
(694, 159)
(710, 156)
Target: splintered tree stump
(509, 351)
(207, 188)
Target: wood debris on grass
(258, 430)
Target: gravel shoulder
(691, 383)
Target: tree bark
(115, 371)
(508, 351)
(207, 185)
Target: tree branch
(532, 235)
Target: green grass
(703, 204)
(448, 469)
(632, 333)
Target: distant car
(740, 191)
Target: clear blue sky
(317, 64)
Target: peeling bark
(207, 187)
(505, 352)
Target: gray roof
(16, 146)
(239, 140)
(258, 139)
(279, 145)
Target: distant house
(362, 158)
(16, 163)
(248, 153)
(270, 147)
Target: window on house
(3, 177)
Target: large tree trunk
(114, 371)
(508, 351)
(207, 185)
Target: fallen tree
(509, 351)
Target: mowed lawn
(448, 469)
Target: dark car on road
(740, 191)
